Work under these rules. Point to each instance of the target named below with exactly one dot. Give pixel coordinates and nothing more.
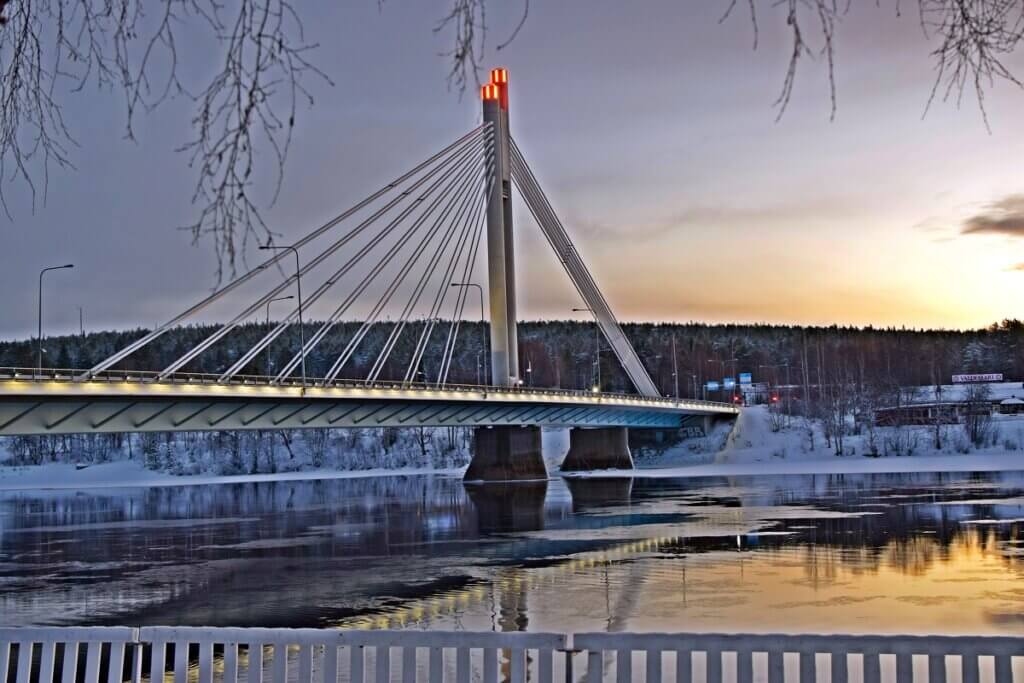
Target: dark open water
(930, 553)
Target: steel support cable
(446, 279)
(371, 319)
(569, 256)
(457, 227)
(584, 282)
(457, 310)
(220, 333)
(464, 159)
(565, 251)
(444, 167)
(330, 282)
(469, 221)
(466, 222)
(563, 247)
(578, 272)
(456, 325)
(458, 201)
(188, 313)
(460, 172)
(421, 346)
(453, 329)
(355, 293)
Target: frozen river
(928, 553)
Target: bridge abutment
(506, 454)
(598, 449)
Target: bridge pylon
(501, 268)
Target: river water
(925, 553)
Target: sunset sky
(651, 128)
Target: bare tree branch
(468, 21)
(975, 38)
(52, 48)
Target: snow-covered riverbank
(756, 445)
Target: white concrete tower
(501, 268)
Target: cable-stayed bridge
(401, 260)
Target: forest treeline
(561, 353)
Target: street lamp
(266, 370)
(597, 348)
(723, 362)
(675, 367)
(39, 344)
(483, 333)
(298, 286)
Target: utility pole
(39, 337)
(500, 238)
(597, 349)
(675, 366)
(483, 332)
(298, 286)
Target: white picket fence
(257, 655)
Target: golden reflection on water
(971, 584)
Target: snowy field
(756, 444)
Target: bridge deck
(57, 402)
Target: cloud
(1002, 217)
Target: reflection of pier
(599, 492)
(509, 507)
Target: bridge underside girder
(107, 415)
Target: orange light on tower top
(499, 77)
(490, 92)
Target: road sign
(746, 378)
(712, 386)
(729, 382)
(978, 377)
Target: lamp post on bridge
(597, 348)
(266, 369)
(298, 286)
(39, 338)
(483, 332)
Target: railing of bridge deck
(184, 378)
(258, 655)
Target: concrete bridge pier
(506, 454)
(606, 448)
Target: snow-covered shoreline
(755, 446)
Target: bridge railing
(190, 378)
(258, 655)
